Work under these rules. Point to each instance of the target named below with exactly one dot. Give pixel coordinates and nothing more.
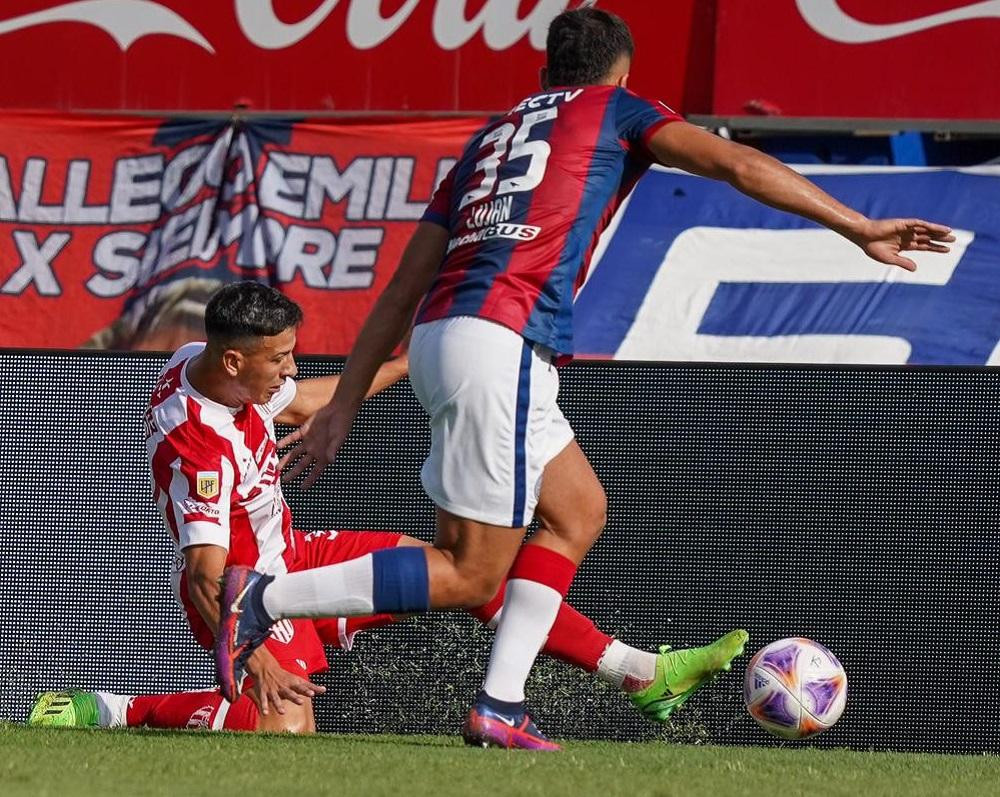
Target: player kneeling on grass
(212, 453)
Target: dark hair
(584, 44)
(245, 310)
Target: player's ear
(618, 76)
(543, 78)
(232, 361)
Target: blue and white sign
(691, 269)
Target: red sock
(576, 640)
(192, 710)
(488, 611)
(573, 639)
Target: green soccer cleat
(69, 709)
(681, 673)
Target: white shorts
(495, 425)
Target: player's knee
(283, 724)
(587, 521)
(463, 582)
(597, 514)
(296, 719)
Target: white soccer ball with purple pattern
(795, 688)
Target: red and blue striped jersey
(527, 201)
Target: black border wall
(856, 506)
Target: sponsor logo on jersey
(200, 508)
(328, 534)
(548, 100)
(201, 718)
(517, 232)
(207, 483)
(163, 387)
(490, 213)
(283, 631)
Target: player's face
(265, 367)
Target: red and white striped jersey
(215, 469)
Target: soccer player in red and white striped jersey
(212, 451)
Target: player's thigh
(572, 505)
(295, 719)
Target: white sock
(341, 590)
(111, 709)
(621, 662)
(529, 610)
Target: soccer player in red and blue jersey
(491, 274)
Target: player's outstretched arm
(313, 394)
(769, 181)
(317, 441)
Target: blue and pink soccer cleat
(244, 625)
(487, 726)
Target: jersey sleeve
(439, 209)
(636, 119)
(196, 483)
(281, 400)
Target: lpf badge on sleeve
(207, 483)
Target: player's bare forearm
(315, 444)
(389, 374)
(204, 565)
(754, 173)
(769, 181)
(312, 394)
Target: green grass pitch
(36, 761)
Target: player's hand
(885, 239)
(272, 685)
(315, 444)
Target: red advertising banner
(114, 231)
(906, 59)
(321, 55)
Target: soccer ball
(795, 688)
